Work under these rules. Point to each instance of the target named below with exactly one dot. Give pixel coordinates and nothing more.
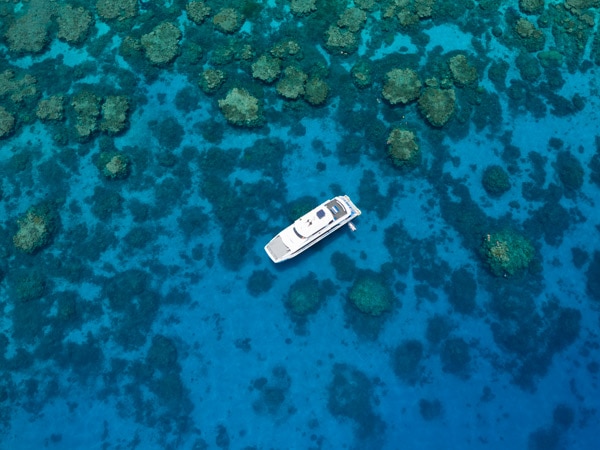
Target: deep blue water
(145, 313)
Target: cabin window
(320, 214)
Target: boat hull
(311, 228)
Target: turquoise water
(139, 309)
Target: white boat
(312, 227)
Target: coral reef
(7, 122)
(437, 105)
(240, 108)
(495, 181)
(353, 19)
(371, 294)
(401, 86)
(51, 108)
(162, 43)
(197, 11)
(287, 48)
(17, 89)
(532, 6)
(362, 74)
(463, 73)
(114, 114)
(291, 85)
(117, 166)
(506, 253)
(340, 41)
(29, 32)
(316, 91)
(211, 80)
(403, 148)
(266, 68)
(228, 20)
(87, 108)
(117, 9)
(302, 7)
(35, 228)
(305, 296)
(73, 23)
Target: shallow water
(139, 307)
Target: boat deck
(277, 248)
(336, 208)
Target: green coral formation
(87, 108)
(266, 68)
(463, 73)
(35, 229)
(291, 85)
(353, 19)
(113, 165)
(29, 32)
(119, 10)
(371, 295)
(305, 296)
(495, 180)
(114, 114)
(7, 122)
(437, 105)
(211, 80)
(340, 41)
(302, 7)
(401, 86)
(17, 88)
(51, 108)
(316, 91)
(197, 11)
(506, 253)
(228, 20)
(73, 24)
(240, 108)
(362, 74)
(162, 43)
(403, 148)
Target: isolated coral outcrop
(353, 19)
(403, 148)
(463, 73)
(437, 105)
(87, 109)
(371, 295)
(73, 23)
(303, 7)
(114, 114)
(117, 9)
(29, 32)
(340, 41)
(316, 91)
(113, 165)
(51, 108)
(211, 80)
(506, 252)
(291, 85)
(162, 43)
(401, 86)
(266, 68)
(35, 228)
(17, 88)
(197, 11)
(228, 20)
(240, 108)
(7, 122)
